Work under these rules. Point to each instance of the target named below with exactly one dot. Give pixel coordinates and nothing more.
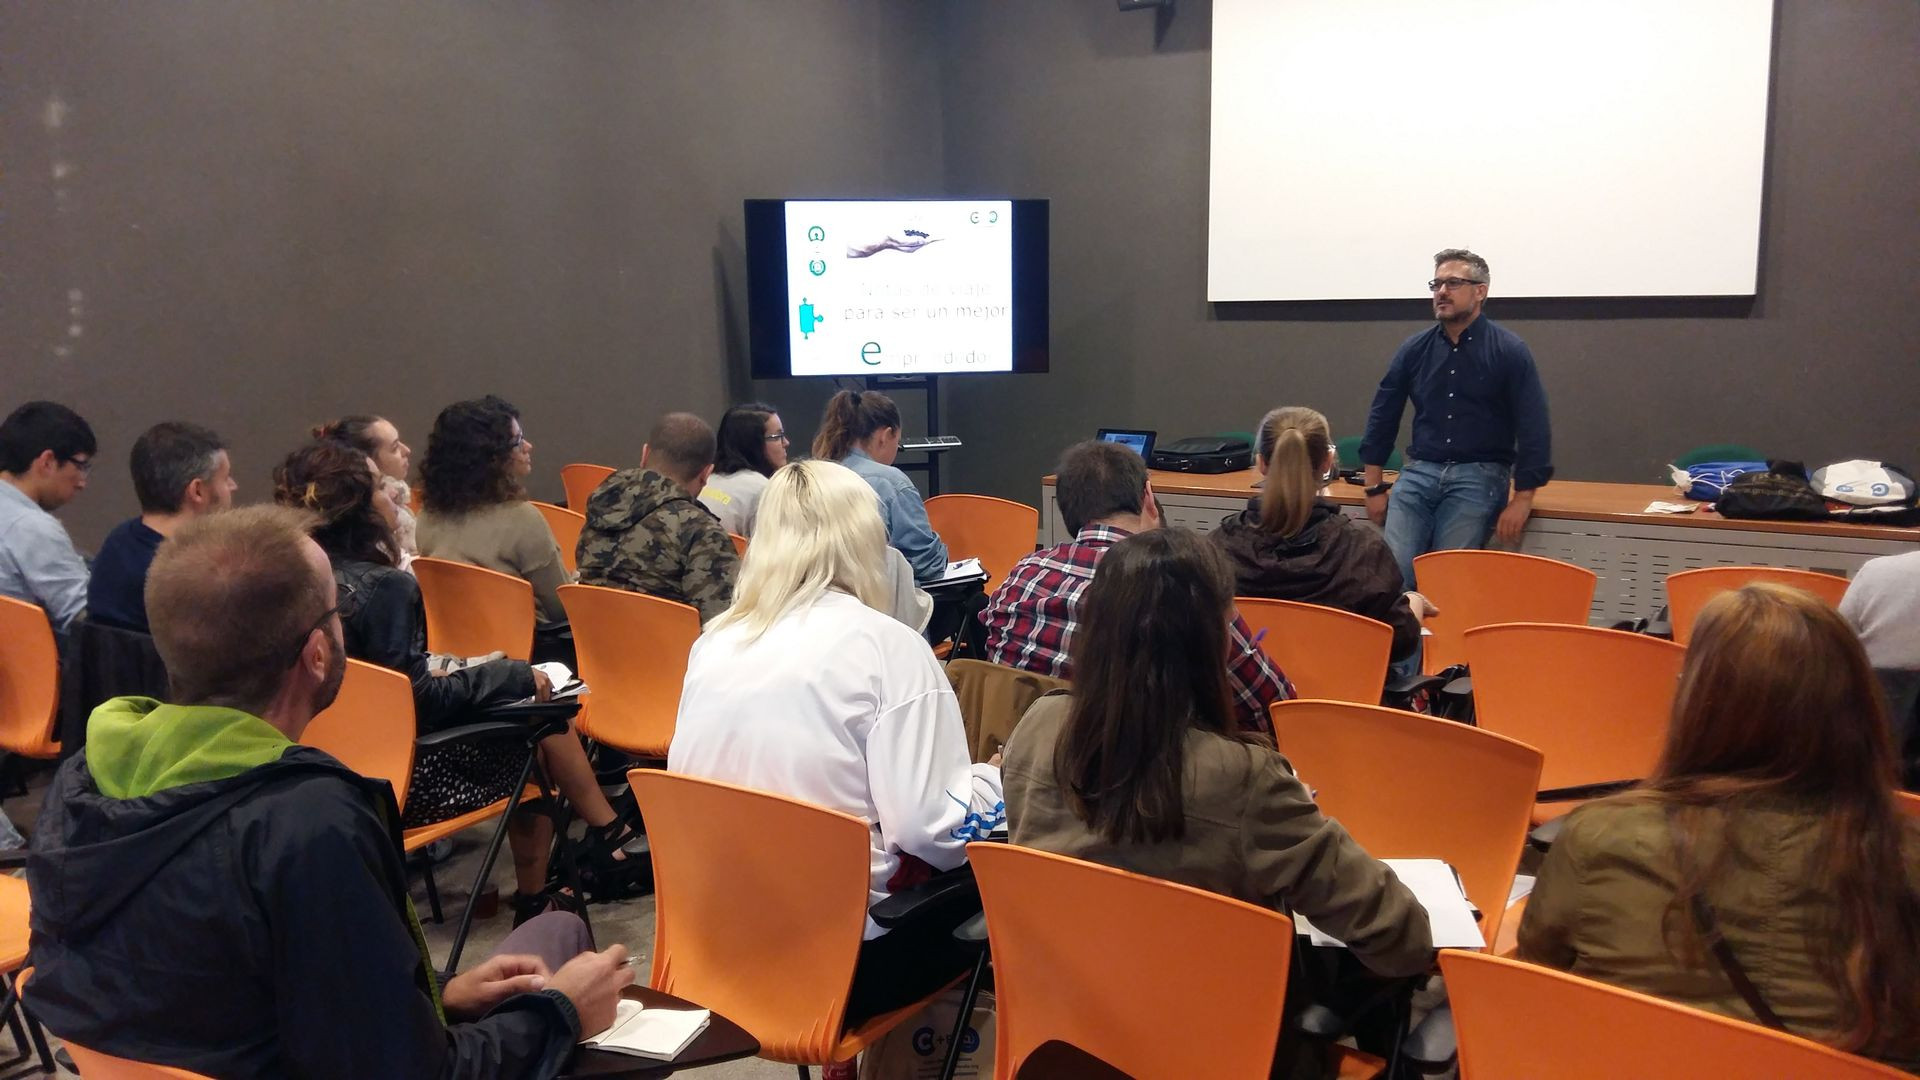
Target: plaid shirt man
(1031, 617)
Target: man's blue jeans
(1437, 507)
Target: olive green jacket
(1601, 909)
(1252, 833)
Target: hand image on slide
(907, 240)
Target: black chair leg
(486, 866)
(805, 1073)
(966, 1016)
(19, 1037)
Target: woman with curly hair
(474, 509)
(384, 623)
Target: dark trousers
(906, 964)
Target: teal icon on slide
(809, 320)
(817, 267)
(815, 234)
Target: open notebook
(1437, 887)
(957, 573)
(654, 1033)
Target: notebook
(958, 573)
(564, 684)
(1437, 887)
(654, 1033)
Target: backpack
(1782, 493)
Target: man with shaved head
(647, 532)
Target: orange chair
(579, 480)
(1595, 702)
(472, 611)
(1516, 1021)
(1689, 590)
(97, 1066)
(998, 532)
(370, 728)
(633, 651)
(768, 934)
(1151, 977)
(1475, 588)
(739, 544)
(16, 914)
(29, 681)
(1907, 803)
(1409, 786)
(565, 525)
(1325, 652)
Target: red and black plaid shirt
(1031, 617)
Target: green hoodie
(137, 746)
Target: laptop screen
(1140, 442)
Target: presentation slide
(900, 288)
(1583, 149)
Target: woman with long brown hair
(1770, 825)
(1291, 544)
(1146, 767)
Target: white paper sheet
(1437, 888)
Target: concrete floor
(629, 922)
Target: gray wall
(263, 214)
(272, 212)
(1074, 101)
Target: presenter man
(1479, 425)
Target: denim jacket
(905, 515)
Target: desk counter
(1603, 527)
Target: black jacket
(256, 926)
(386, 624)
(1335, 562)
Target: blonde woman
(1291, 544)
(806, 687)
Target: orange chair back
(579, 480)
(16, 914)
(768, 934)
(998, 532)
(739, 544)
(632, 651)
(1408, 786)
(1689, 590)
(1325, 652)
(565, 525)
(1475, 588)
(1907, 803)
(1595, 702)
(1116, 963)
(98, 1066)
(29, 680)
(1515, 1020)
(472, 611)
(369, 728)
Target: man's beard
(329, 688)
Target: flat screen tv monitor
(896, 286)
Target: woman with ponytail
(1766, 842)
(1291, 544)
(861, 430)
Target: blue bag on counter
(1707, 480)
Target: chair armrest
(973, 931)
(1544, 834)
(1660, 628)
(1408, 685)
(948, 895)
(1583, 791)
(520, 723)
(13, 858)
(1460, 687)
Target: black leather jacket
(386, 624)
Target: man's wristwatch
(1379, 489)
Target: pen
(1259, 636)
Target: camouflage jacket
(645, 534)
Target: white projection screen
(1583, 149)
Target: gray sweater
(1883, 604)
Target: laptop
(1140, 442)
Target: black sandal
(607, 877)
(526, 907)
